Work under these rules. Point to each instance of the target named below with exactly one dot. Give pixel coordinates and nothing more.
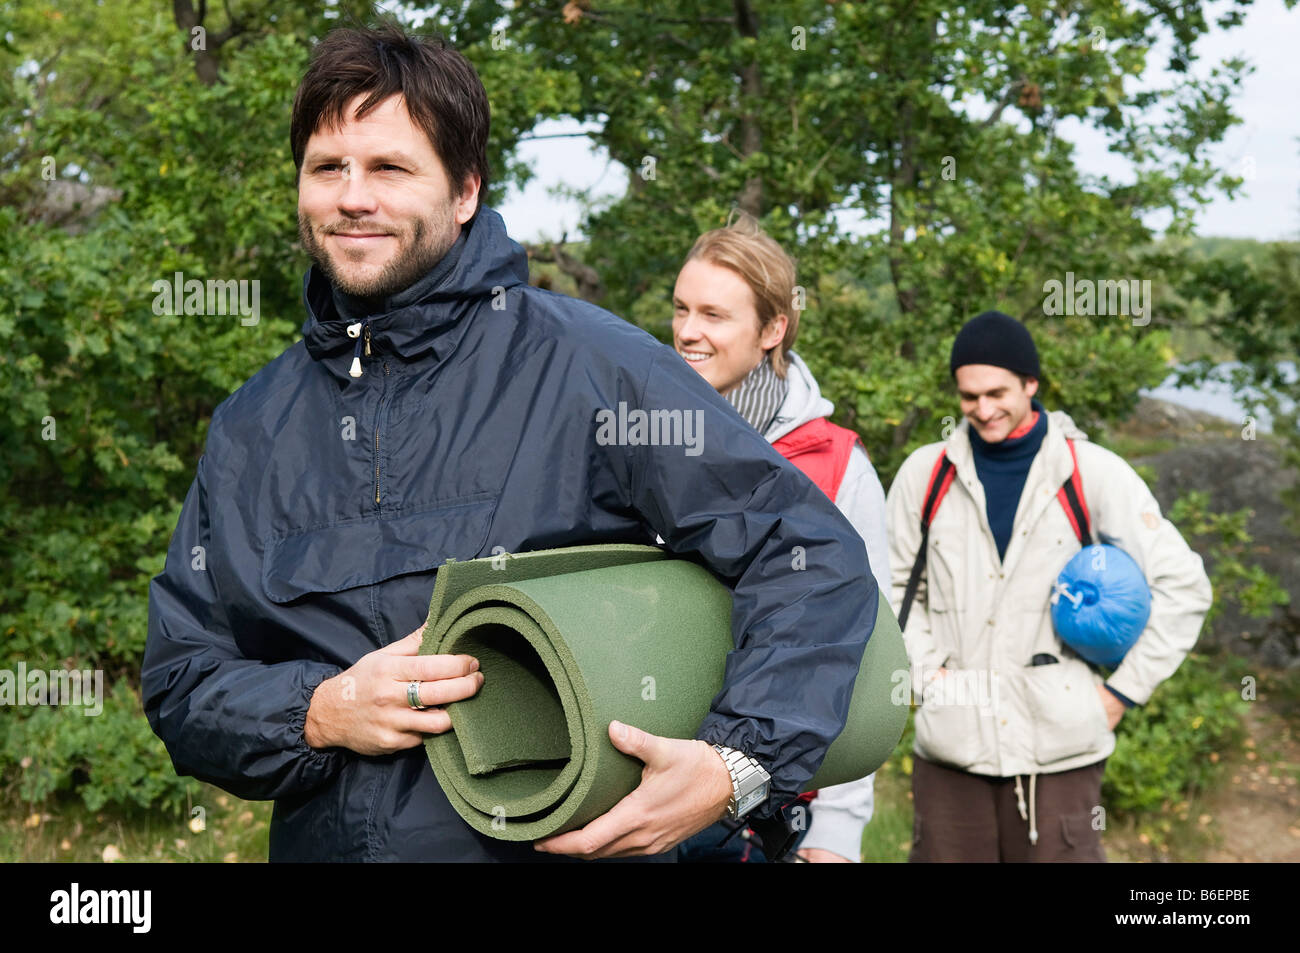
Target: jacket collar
(1053, 449)
(489, 262)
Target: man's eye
(395, 168)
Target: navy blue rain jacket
(323, 505)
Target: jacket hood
(489, 260)
(803, 400)
(1059, 418)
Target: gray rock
(1237, 474)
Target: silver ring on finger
(413, 696)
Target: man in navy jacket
(440, 407)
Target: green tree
(139, 139)
(940, 128)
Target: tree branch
(751, 135)
(590, 287)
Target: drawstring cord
(1062, 589)
(1032, 816)
(360, 331)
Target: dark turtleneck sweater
(355, 308)
(1003, 468)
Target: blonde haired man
(735, 321)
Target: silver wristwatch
(750, 784)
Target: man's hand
(365, 708)
(684, 788)
(1114, 707)
(819, 855)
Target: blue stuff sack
(1100, 604)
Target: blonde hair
(743, 247)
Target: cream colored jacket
(984, 619)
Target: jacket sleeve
(804, 599)
(904, 508)
(232, 721)
(1126, 515)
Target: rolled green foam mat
(571, 639)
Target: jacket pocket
(1067, 714)
(948, 734)
(367, 551)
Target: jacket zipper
(378, 411)
(361, 331)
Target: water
(1216, 396)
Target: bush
(111, 758)
(1162, 751)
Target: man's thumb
(409, 645)
(639, 744)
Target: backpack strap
(1076, 507)
(940, 480)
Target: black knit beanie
(996, 339)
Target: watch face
(750, 800)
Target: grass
(888, 838)
(222, 828)
(1132, 448)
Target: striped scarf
(759, 396)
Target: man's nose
(357, 196)
(688, 328)
(984, 408)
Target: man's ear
(1031, 386)
(467, 201)
(774, 334)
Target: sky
(1268, 139)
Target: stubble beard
(421, 247)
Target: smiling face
(715, 324)
(994, 400)
(376, 210)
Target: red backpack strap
(940, 480)
(1072, 500)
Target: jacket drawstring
(1032, 816)
(360, 331)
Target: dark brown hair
(443, 94)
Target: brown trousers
(975, 818)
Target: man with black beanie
(1014, 728)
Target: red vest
(821, 450)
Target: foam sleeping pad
(571, 639)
